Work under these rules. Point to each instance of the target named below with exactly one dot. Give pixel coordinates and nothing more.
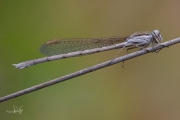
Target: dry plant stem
(90, 69)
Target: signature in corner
(16, 110)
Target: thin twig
(90, 69)
(28, 63)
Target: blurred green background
(146, 88)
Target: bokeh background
(146, 88)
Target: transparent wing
(63, 46)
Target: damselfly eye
(156, 36)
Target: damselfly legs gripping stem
(142, 40)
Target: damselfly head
(157, 36)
